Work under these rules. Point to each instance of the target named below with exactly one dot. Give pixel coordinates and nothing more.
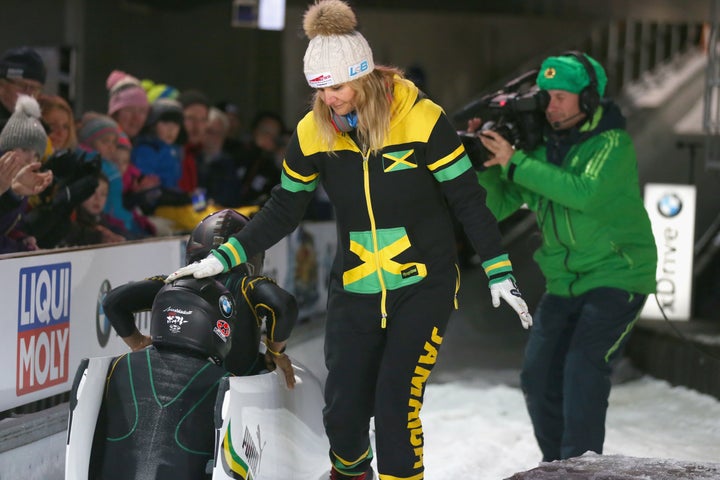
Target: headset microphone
(560, 123)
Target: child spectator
(91, 225)
(139, 190)
(100, 133)
(156, 151)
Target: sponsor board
(671, 209)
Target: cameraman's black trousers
(567, 366)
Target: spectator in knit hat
(22, 142)
(22, 71)
(99, 133)
(156, 151)
(127, 103)
(157, 155)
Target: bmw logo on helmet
(669, 205)
(226, 306)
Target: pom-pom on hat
(125, 91)
(23, 129)
(336, 53)
(93, 126)
(22, 62)
(566, 72)
(158, 90)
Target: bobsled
(266, 431)
(85, 401)
(263, 430)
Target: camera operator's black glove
(77, 192)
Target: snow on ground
(479, 431)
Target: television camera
(516, 112)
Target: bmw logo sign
(669, 205)
(226, 306)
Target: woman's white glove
(511, 294)
(207, 267)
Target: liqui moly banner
(52, 314)
(672, 213)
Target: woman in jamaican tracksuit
(391, 164)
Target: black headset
(589, 97)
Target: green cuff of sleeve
(497, 267)
(230, 254)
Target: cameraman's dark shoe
(335, 475)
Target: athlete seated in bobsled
(156, 417)
(153, 419)
(259, 299)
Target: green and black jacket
(583, 184)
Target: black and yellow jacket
(393, 224)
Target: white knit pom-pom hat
(337, 53)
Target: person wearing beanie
(22, 71)
(156, 151)
(23, 129)
(598, 254)
(393, 168)
(22, 144)
(99, 133)
(127, 102)
(157, 157)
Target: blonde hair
(48, 103)
(373, 105)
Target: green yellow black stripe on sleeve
(451, 166)
(498, 268)
(230, 253)
(292, 181)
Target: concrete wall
(461, 52)
(197, 48)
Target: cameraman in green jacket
(598, 254)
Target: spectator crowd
(156, 162)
